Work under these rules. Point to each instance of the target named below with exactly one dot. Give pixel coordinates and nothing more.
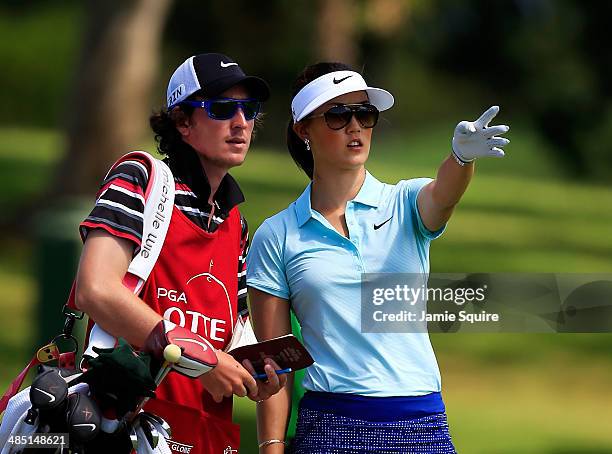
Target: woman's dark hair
(296, 146)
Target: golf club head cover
(82, 418)
(198, 355)
(49, 389)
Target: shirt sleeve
(413, 187)
(265, 265)
(243, 309)
(119, 204)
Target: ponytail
(298, 151)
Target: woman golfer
(365, 392)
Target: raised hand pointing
(477, 139)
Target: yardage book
(286, 350)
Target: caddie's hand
(476, 139)
(228, 378)
(198, 355)
(269, 386)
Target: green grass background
(510, 393)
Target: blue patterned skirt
(341, 423)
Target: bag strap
(45, 354)
(159, 202)
(16, 384)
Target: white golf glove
(476, 139)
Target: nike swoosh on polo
(337, 81)
(225, 65)
(376, 227)
(91, 426)
(51, 396)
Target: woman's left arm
(437, 200)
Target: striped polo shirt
(119, 205)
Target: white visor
(330, 85)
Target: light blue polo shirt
(298, 256)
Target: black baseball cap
(212, 74)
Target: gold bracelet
(270, 442)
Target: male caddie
(196, 291)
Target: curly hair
(163, 123)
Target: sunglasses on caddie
(225, 108)
(338, 117)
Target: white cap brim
(332, 85)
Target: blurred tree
(272, 39)
(336, 28)
(578, 115)
(39, 42)
(111, 97)
(546, 59)
(385, 17)
(277, 38)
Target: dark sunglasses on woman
(339, 116)
(225, 108)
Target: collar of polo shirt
(369, 194)
(334, 84)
